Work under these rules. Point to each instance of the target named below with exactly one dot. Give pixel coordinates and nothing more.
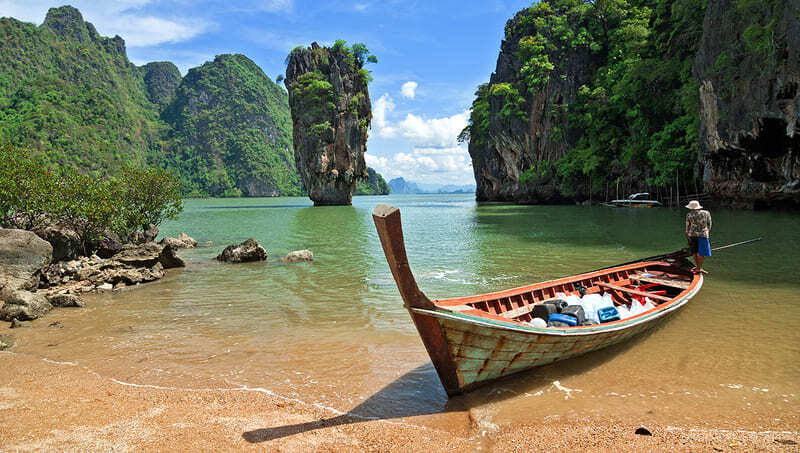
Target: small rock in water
(249, 250)
(643, 432)
(15, 324)
(106, 287)
(56, 324)
(298, 256)
(66, 300)
(785, 441)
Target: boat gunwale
(651, 315)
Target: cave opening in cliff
(771, 143)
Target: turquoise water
(334, 332)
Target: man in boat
(698, 227)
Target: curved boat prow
(390, 232)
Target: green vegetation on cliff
(635, 118)
(373, 184)
(231, 131)
(72, 98)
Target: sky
(431, 54)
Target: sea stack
(331, 113)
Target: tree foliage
(33, 197)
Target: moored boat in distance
(637, 200)
(477, 339)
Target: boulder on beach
(65, 242)
(298, 256)
(249, 250)
(6, 342)
(65, 300)
(23, 254)
(23, 305)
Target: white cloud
(408, 90)
(382, 107)
(116, 17)
(148, 30)
(361, 7)
(419, 131)
(434, 132)
(440, 165)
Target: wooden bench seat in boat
(636, 292)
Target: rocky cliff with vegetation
(230, 131)
(748, 67)
(373, 184)
(331, 114)
(601, 99)
(72, 97)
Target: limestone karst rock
(331, 113)
(750, 104)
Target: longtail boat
(477, 339)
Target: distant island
(401, 186)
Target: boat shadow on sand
(419, 392)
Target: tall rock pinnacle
(331, 113)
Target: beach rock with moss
(331, 113)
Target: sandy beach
(52, 406)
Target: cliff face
(748, 67)
(230, 131)
(161, 78)
(331, 113)
(597, 99)
(526, 125)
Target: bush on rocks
(33, 197)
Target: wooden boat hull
(477, 339)
(468, 351)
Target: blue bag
(608, 314)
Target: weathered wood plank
(680, 284)
(634, 291)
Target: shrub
(33, 197)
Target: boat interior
(659, 281)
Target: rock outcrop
(748, 70)
(249, 250)
(183, 241)
(23, 254)
(65, 242)
(331, 113)
(134, 264)
(161, 78)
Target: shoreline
(64, 406)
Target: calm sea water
(334, 333)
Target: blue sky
(431, 57)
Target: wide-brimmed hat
(694, 204)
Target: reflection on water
(334, 331)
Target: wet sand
(53, 406)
